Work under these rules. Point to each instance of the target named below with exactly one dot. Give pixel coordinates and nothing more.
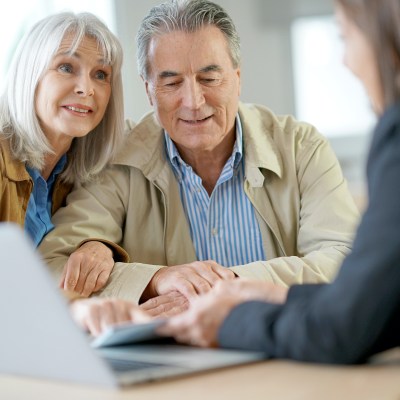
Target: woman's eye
(101, 75)
(65, 68)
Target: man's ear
(146, 85)
(239, 81)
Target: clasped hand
(191, 279)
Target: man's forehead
(179, 53)
(207, 37)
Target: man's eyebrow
(172, 74)
(211, 68)
(167, 74)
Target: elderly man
(204, 182)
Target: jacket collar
(13, 169)
(145, 146)
(259, 148)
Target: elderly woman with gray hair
(61, 120)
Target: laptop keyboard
(129, 365)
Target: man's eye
(210, 81)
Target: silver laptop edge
(38, 338)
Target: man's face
(194, 88)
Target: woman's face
(72, 96)
(360, 59)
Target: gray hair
(187, 16)
(19, 123)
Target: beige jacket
(304, 209)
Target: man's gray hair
(187, 16)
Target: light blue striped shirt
(223, 226)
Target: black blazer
(359, 313)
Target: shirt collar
(179, 166)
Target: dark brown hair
(379, 20)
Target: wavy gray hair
(19, 123)
(187, 16)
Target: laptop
(38, 337)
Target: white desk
(273, 380)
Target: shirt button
(214, 231)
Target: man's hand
(87, 269)
(200, 324)
(189, 279)
(95, 314)
(166, 305)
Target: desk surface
(269, 379)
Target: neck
(51, 160)
(209, 168)
(208, 164)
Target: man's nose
(192, 96)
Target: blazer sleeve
(357, 315)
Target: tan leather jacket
(304, 209)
